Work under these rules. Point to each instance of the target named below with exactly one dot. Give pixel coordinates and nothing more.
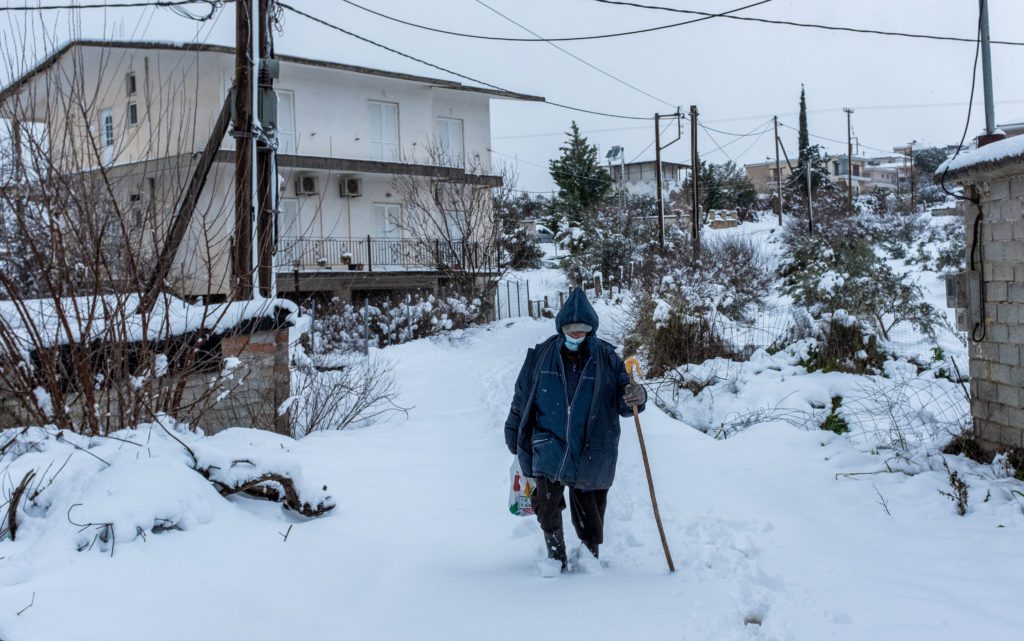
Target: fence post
(519, 300)
(312, 327)
(366, 326)
(547, 305)
(369, 253)
(508, 296)
(561, 299)
(528, 294)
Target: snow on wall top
(990, 156)
(40, 322)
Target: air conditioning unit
(351, 187)
(306, 185)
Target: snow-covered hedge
(348, 327)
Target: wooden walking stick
(633, 365)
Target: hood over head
(577, 309)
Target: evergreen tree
(810, 156)
(804, 136)
(582, 183)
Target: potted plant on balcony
(346, 259)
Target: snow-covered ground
(778, 532)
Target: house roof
(1004, 153)
(212, 48)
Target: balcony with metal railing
(368, 253)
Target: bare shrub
(91, 338)
(958, 493)
(359, 391)
(452, 217)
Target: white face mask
(573, 344)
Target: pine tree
(582, 183)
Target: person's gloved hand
(635, 395)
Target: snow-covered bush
(837, 271)
(944, 248)
(520, 249)
(682, 302)
(99, 493)
(610, 242)
(350, 327)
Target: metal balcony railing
(369, 254)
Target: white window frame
(452, 222)
(383, 147)
(106, 121)
(453, 153)
(286, 137)
(385, 212)
(283, 229)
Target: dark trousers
(586, 508)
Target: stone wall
(996, 368)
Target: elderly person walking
(564, 424)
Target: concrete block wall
(997, 369)
(255, 390)
(247, 396)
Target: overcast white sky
(737, 73)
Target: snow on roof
(86, 316)
(1004, 152)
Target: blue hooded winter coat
(577, 442)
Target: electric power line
(841, 142)
(575, 57)
(178, 6)
(808, 25)
(562, 39)
(335, 27)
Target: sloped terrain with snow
(778, 532)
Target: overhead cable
(561, 39)
(808, 25)
(335, 27)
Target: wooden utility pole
(246, 55)
(657, 180)
(695, 182)
(183, 217)
(657, 166)
(778, 168)
(266, 157)
(849, 156)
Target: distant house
(765, 177)
(343, 131)
(639, 177)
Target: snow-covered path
(768, 542)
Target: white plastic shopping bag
(520, 494)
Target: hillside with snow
(779, 529)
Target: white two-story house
(344, 133)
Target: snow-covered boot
(585, 559)
(555, 543)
